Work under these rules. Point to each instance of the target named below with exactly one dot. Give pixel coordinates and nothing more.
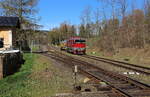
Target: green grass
(35, 48)
(15, 85)
(36, 78)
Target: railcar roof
(75, 38)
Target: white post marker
(75, 75)
(75, 68)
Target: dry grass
(140, 57)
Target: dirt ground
(82, 95)
(68, 77)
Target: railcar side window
(80, 41)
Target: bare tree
(123, 7)
(98, 20)
(147, 20)
(86, 15)
(82, 32)
(25, 10)
(86, 20)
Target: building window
(1, 42)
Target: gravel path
(82, 95)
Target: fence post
(1, 66)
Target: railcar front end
(76, 45)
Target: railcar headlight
(75, 48)
(82, 48)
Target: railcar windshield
(79, 41)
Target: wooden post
(1, 66)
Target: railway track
(120, 86)
(133, 67)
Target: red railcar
(76, 45)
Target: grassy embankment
(133, 55)
(37, 78)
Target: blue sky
(54, 12)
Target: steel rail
(85, 67)
(116, 91)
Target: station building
(8, 26)
(10, 59)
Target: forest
(126, 26)
(114, 24)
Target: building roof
(9, 22)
